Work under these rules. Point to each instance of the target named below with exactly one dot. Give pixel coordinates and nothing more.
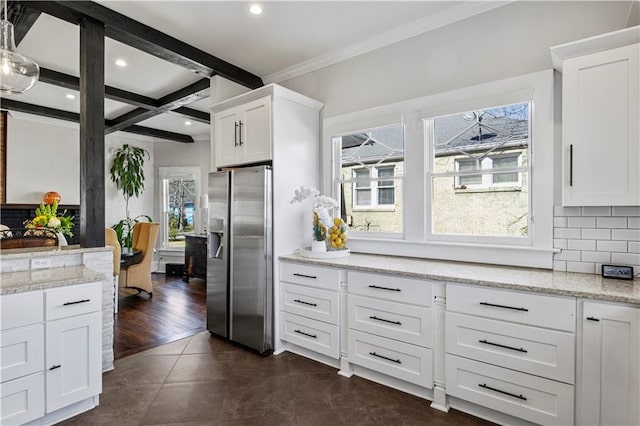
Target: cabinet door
(73, 360)
(610, 373)
(255, 131)
(226, 140)
(601, 138)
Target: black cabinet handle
(571, 165)
(504, 306)
(593, 319)
(384, 288)
(305, 303)
(306, 334)
(397, 361)
(486, 342)
(240, 134)
(305, 276)
(55, 367)
(385, 320)
(484, 385)
(235, 134)
(76, 302)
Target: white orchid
(322, 205)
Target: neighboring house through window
(370, 192)
(180, 187)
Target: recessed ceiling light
(255, 9)
(121, 63)
(187, 123)
(70, 96)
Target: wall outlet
(40, 263)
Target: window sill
(374, 209)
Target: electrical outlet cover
(40, 263)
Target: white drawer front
(21, 352)
(401, 360)
(525, 308)
(411, 324)
(322, 305)
(533, 350)
(314, 335)
(326, 278)
(21, 309)
(406, 290)
(73, 300)
(521, 395)
(22, 399)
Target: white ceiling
(286, 35)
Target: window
(485, 152)
(180, 188)
(370, 167)
(371, 193)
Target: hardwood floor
(177, 310)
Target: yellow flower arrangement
(48, 217)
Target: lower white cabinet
(50, 352)
(610, 369)
(73, 360)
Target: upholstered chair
(111, 239)
(138, 276)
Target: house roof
(477, 131)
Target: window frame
(486, 179)
(537, 88)
(374, 186)
(164, 175)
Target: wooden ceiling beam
(22, 17)
(186, 95)
(148, 39)
(73, 83)
(11, 105)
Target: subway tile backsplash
(588, 237)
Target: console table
(195, 256)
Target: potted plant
(127, 172)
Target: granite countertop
(536, 280)
(25, 253)
(38, 279)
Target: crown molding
(423, 25)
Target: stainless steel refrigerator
(240, 257)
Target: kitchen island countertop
(589, 286)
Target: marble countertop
(26, 253)
(536, 280)
(38, 279)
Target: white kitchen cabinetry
(512, 352)
(51, 353)
(390, 328)
(310, 308)
(243, 134)
(600, 126)
(609, 374)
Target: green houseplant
(127, 172)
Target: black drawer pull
(571, 165)
(305, 303)
(305, 276)
(504, 306)
(54, 367)
(384, 288)
(503, 392)
(306, 334)
(76, 302)
(593, 319)
(486, 342)
(385, 320)
(397, 361)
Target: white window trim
(168, 173)
(536, 88)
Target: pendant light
(17, 72)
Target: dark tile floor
(204, 380)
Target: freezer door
(218, 255)
(251, 259)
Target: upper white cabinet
(600, 125)
(243, 133)
(609, 374)
(247, 128)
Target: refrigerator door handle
(217, 255)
